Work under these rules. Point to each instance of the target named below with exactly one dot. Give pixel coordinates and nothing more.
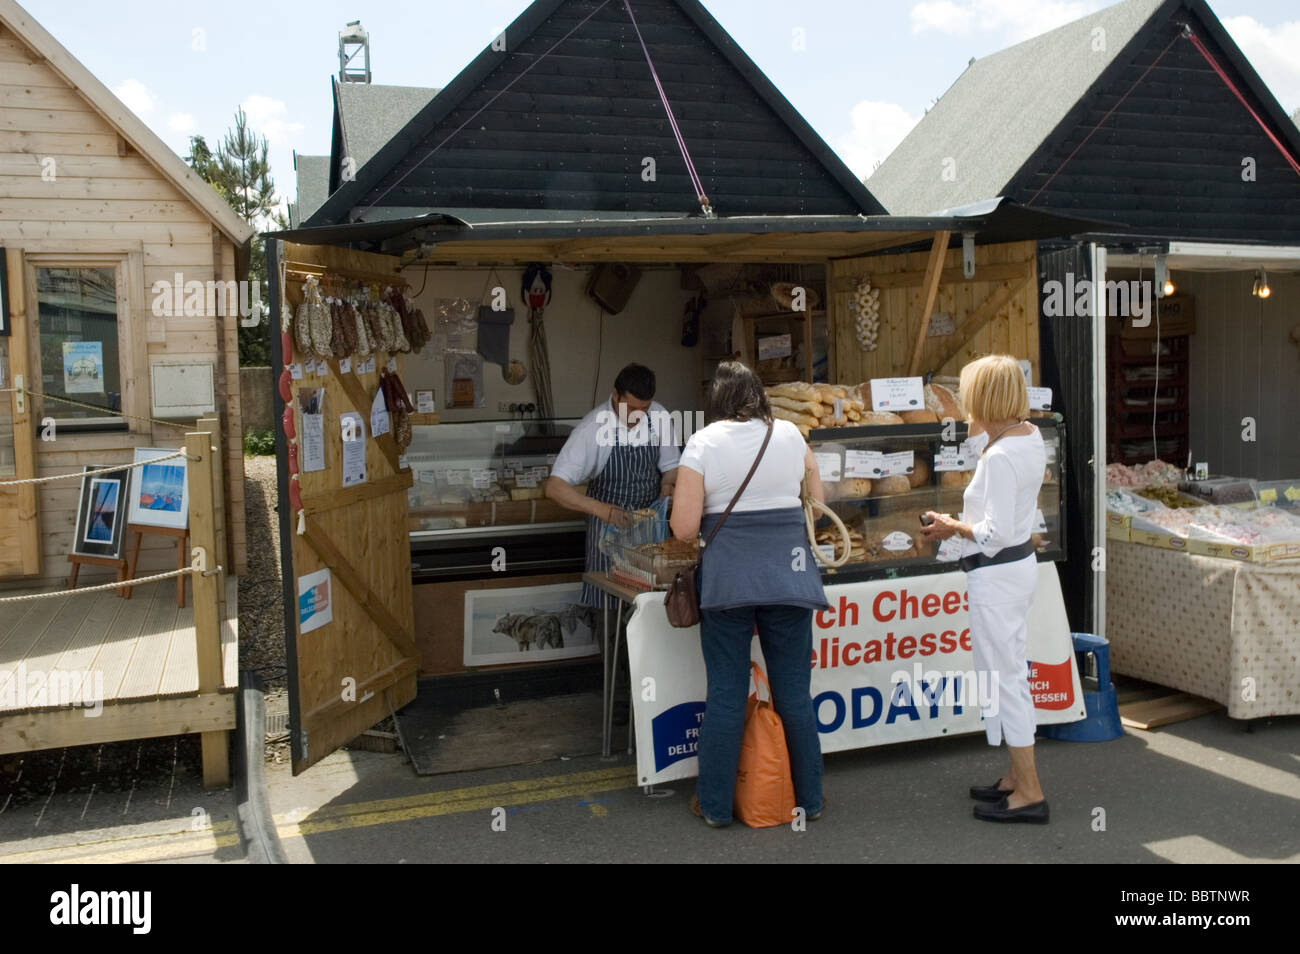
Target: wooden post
(207, 609)
(933, 272)
(212, 424)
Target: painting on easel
(159, 495)
(101, 513)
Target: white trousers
(999, 636)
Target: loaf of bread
(956, 478)
(853, 487)
(943, 402)
(920, 475)
(802, 420)
(890, 485)
(811, 408)
(919, 417)
(880, 417)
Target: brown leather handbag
(682, 601)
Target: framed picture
(101, 513)
(528, 624)
(160, 494)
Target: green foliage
(241, 173)
(259, 444)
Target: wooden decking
(93, 668)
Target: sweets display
(1152, 473)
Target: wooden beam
(890, 240)
(356, 584)
(357, 395)
(118, 722)
(930, 287)
(978, 318)
(348, 496)
(950, 276)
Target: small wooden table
(624, 596)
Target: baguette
(811, 408)
(803, 420)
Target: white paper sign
(402, 463)
(955, 457)
(897, 542)
(354, 448)
(313, 442)
(950, 549)
(455, 478)
(827, 550)
(314, 603)
(481, 479)
(774, 346)
(829, 466)
(1040, 399)
(345, 365)
(392, 365)
(526, 481)
(897, 394)
(295, 371)
(379, 414)
(427, 477)
(897, 465)
(862, 463)
(424, 402)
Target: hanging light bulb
(1169, 284)
(1260, 288)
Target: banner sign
(891, 662)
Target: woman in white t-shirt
(758, 573)
(998, 555)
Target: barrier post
(207, 602)
(212, 424)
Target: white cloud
(136, 96)
(1271, 50)
(1017, 19)
(269, 117)
(181, 123)
(877, 130)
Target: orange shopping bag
(764, 789)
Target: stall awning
(440, 238)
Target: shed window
(80, 359)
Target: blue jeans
(785, 633)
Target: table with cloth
(1219, 628)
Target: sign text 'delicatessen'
(873, 632)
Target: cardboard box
(1261, 553)
(1116, 532)
(1177, 317)
(1166, 540)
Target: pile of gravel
(261, 602)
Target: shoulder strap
(745, 483)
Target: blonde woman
(996, 521)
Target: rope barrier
(120, 584)
(90, 473)
(96, 407)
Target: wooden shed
(1146, 115)
(102, 228)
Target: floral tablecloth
(1222, 629)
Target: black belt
(1005, 555)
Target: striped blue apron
(630, 481)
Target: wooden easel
(182, 554)
(77, 559)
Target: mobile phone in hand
(926, 519)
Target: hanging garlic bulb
(865, 308)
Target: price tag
(424, 402)
(508, 474)
(899, 464)
(828, 466)
(950, 550)
(955, 457)
(1292, 493)
(863, 463)
(503, 428)
(455, 478)
(897, 394)
(526, 480)
(514, 463)
(1268, 495)
(392, 365)
(402, 463)
(295, 371)
(345, 365)
(1040, 522)
(370, 364)
(482, 479)
(541, 472)
(550, 460)
(897, 541)
(427, 477)
(827, 551)
(1040, 399)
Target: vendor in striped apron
(625, 451)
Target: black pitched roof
(1165, 158)
(564, 118)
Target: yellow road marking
(456, 801)
(140, 847)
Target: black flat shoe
(990, 793)
(1034, 813)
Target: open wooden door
(350, 672)
(20, 551)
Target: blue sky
(868, 70)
